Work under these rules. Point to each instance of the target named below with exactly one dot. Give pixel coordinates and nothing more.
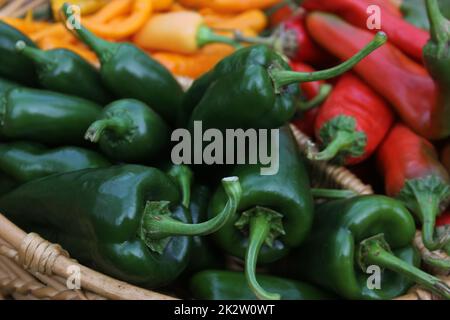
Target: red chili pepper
(305, 122)
(352, 122)
(407, 37)
(292, 39)
(404, 83)
(412, 172)
(280, 15)
(445, 157)
(444, 219)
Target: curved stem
(439, 25)
(268, 41)
(324, 92)
(157, 224)
(183, 176)
(429, 209)
(283, 78)
(260, 227)
(374, 252)
(101, 47)
(206, 35)
(332, 193)
(36, 55)
(342, 141)
(116, 124)
(443, 264)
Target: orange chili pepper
(24, 25)
(110, 10)
(162, 5)
(251, 19)
(229, 5)
(56, 30)
(123, 28)
(181, 32)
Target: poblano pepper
(5, 85)
(351, 235)
(26, 161)
(44, 116)
(129, 130)
(228, 285)
(64, 71)
(129, 72)
(274, 215)
(126, 221)
(12, 65)
(254, 88)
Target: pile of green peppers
(87, 166)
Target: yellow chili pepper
(111, 10)
(181, 32)
(140, 11)
(229, 5)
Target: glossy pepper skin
(129, 72)
(412, 172)
(436, 55)
(352, 234)
(256, 84)
(6, 183)
(64, 71)
(405, 84)
(12, 65)
(27, 161)
(399, 31)
(127, 221)
(228, 285)
(352, 122)
(5, 85)
(45, 117)
(274, 215)
(128, 130)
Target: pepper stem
(102, 48)
(283, 78)
(324, 92)
(119, 125)
(157, 223)
(423, 197)
(264, 226)
(36, 55)
(343, 140)
(332, 193)
(439, 25)
(206, 35)
(183, 176)
(375, 251)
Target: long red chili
(312, 90)
(407, 37)
(412, 172)
(352, 122)
(404, 83)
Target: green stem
(259, 230)
(439, 25)
(118, 125)
(324, 92)
(183, 176)
(342, 141)
(332, 193)
(267, 41)
(102, 48)
(443, 264)
(160, 225)
(374, 252)
(36, 55)
(206, 35)
(283, 78)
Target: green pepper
(64, 71)
(125, 221)
(44, 116)
(351, 235)
(436, 54)
(12, 65)
(228, 285)
(129, 72)
(5, 85)
(254, 88)
(128, 130)
(6, 183)
(275, 213)
(26, 161)
(415, 12)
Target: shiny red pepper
(413, 173)
(352, 122)
(404, 83)
(407, 37)
(444, 219)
